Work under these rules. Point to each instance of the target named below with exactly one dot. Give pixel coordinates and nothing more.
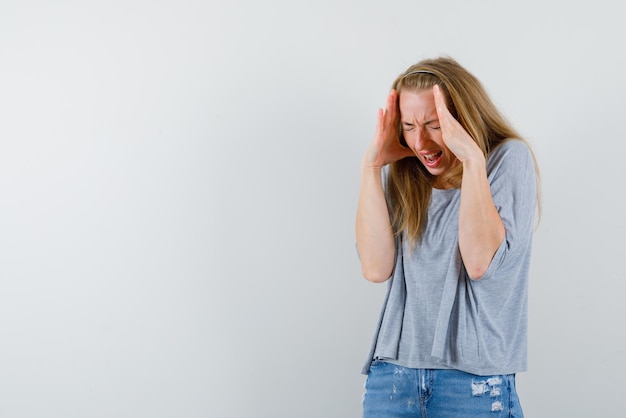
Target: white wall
(178, 182)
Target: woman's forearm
(374, 234)
(481, 230)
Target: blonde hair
(409, 184)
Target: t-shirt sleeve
(512, 179)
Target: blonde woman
(445, 216)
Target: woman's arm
(374, 233)
(481, 230)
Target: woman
(446, 214)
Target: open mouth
(432, 159)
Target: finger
(447, 122)
(390, 106)
(395, 114)
(440, 103)
(442, 111)
(391, 99)
(380, 116)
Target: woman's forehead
(418, 105)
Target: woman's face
(420, 126)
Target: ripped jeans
(396, 391)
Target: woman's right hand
(386, 148)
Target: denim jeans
(396, 391)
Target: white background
(178, 184)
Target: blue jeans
(396, 391)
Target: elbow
(476, 271)
(477, 263)
(376, 275)
(377, 266)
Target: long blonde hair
(409, 184)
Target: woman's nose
(420, 139)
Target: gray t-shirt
(434, 316)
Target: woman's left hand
(456, 138)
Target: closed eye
(432, 124)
